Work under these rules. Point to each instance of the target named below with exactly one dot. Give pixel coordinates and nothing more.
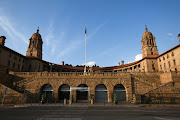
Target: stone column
(92, 91)
(109, 94)
(56, 97)
(74, 95)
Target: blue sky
(114, 27)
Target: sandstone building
(29, 76)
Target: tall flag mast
(85, 51)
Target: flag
(85, 30)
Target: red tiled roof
(94, 68)
(11, 50)
(169, 50)
(152, 56)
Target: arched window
(47, 93)
(64, 92)
(120, 92)
(101, 93)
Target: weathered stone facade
(29, 74)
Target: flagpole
(85, 53)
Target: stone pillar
(56, 97)
(109, 94)
(92, 91)
(55, 92)
(74, 95)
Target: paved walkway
(95, 104)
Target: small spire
(146, 28)
(38, 29)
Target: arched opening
(64, 92)
(82, 95)
(47, 92)
(101, 93)
(120, 92)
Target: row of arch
(82, 95)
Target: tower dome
(36, 35)
(147, 34)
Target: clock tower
(35, 45)
(148, 44)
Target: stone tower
(2, 40)
(148, 44)
(35, 45)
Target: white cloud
(7, 26)
(90, 64)
(138, 57)
(170, 34)
(49, 36)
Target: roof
(12, 50)
(169, 50)
(94, 68)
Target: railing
(70, 73)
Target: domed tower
(35, 45)
(148, 44)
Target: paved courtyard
(89, 113)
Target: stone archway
(101, 93)
(82, 95)
(120, 91)
(64, 92)
(47, 92)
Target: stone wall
(12, 96)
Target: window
(139, 65)
(153, 65)
(160, 67)
(18, 66)
(10, 55)
(176, 69)
(163, 58)
(8, 63)
(13, 64)
(33, 43)
(164, 65)
(174, 62)
(151, 51)
(172, 54)
(159, 60)
(169, 63)
(167, 56)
